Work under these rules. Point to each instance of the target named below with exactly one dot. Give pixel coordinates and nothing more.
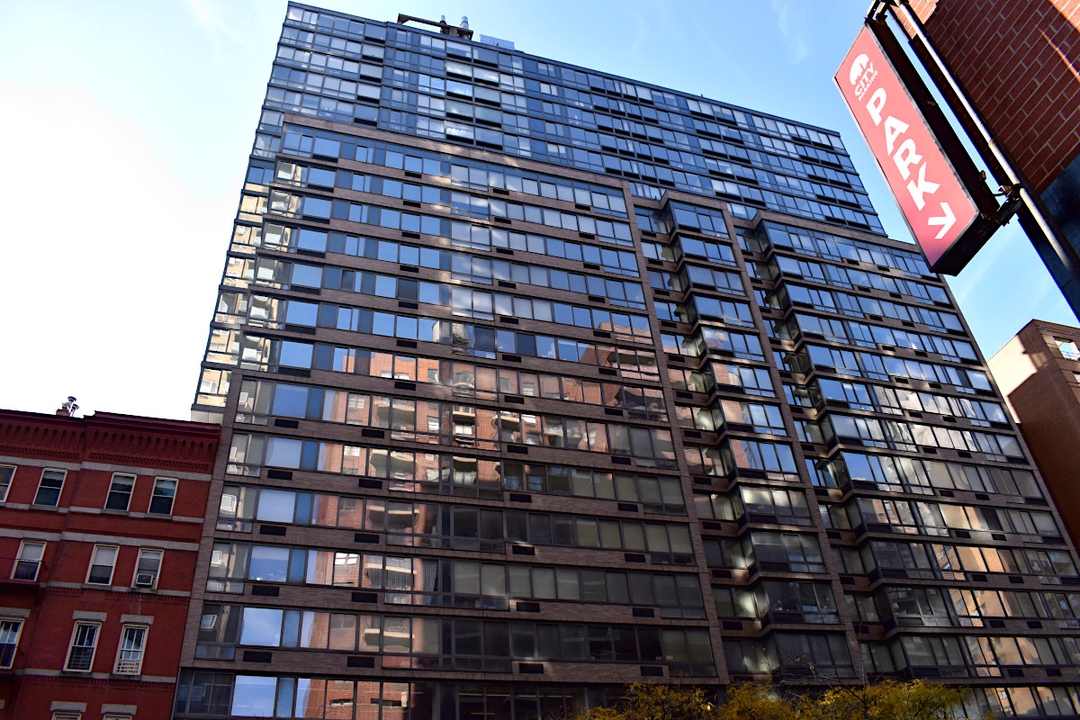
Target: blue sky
(126, 128)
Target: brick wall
(90, 450)
(1019, 63)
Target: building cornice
(130, 440)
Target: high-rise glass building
(537, 381)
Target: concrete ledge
(120, 709)
(61, 706)
(141, 619)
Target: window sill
(125, 676)
(21, 582)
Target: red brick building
(1038, 371)
(1018, 64)
(100, 521)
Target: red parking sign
(931, 195)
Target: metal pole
(1067, 255)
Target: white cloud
(209, 13)
(792, 19)
(969, 282)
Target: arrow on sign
(945, 221)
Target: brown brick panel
(1019, 63)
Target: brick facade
(48, 543)
(1039, 373)
(1018, 64)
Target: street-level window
(28, 561)
(129, 656)
(120, 492)
(84, 638)
(102, 562)
(10, 629)
(7, 472)
(161, 503)
(148, 568)
(48, 492)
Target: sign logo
(931, 196)
(858, 67)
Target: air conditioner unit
(144, 580)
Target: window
(787, 507)
(101, 564)
(28, 561)
(83, 644)
(66, 716)
(120, 492)
(801, 601)
(1068, 349)
(48, 492)
(7, 472)
(148, 568)
(161, 502)
(129, 656)
(9, 640)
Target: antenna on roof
(444, 27)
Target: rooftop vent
(68, 407)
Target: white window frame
(154, 494)
(66, 716)
(59, 493)
(157, 573)
(125, 666)
(116, 717)
(127, 505)
(112, 567)
(93, 647)
(15, 643)
(9, 471)
(20, 559)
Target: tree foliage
(888, 701)
(885, 701)
(755, 702)
(650, 701)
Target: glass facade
(537, 381)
